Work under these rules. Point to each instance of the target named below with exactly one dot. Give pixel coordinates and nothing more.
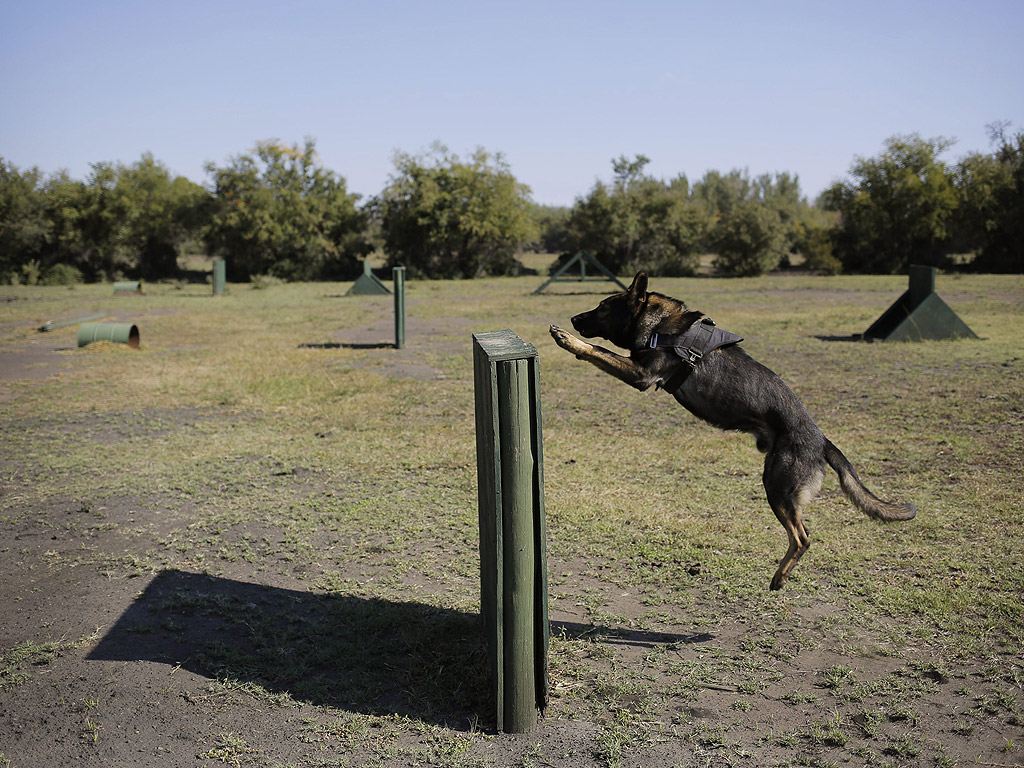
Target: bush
(748, 241)
(445, 217)
(61, 274)
(815, 245)
(638, 222)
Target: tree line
(275, 210)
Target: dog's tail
(862, 498)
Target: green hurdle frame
(581, 259)
(513, 561)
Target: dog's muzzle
(579, 322)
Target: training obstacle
(128, 286)
(367, 284)
(398, 276)
(919, 314)
(119, 333)
(513, 564)
(582, 259)
(219, 276)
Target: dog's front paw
(568, 342)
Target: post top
(503, 345)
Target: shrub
(61, 274)
(749, 240)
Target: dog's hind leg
(789, 494)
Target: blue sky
(559, 88)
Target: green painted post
(398, 274)
(513, 571)
(922, 284)
(219, 277)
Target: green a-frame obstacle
(919, 314)
(582, 258)
(368, 284)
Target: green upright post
(513, 572)
(219, 277)
(398, 274)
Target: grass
(240, 443)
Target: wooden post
(219, 276)
(398, 274)
(513, 571)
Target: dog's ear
(639, 286)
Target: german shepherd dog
(730, 390)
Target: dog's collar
(691, 346)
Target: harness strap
(691, 346)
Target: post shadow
(625, 636)
(342, 345)
(851, 337)
(364, 655)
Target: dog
(709, 374)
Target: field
(253, 540)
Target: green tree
(719, 193)
(990, 213)
(23, 223)
(897, 209)
(276, 211)
(87, 218)
(638, 222)
(445, 217)
(749, 240)
(551, 223)
(157, 214)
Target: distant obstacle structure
(368, 284)
(582, 259)
(919, 314)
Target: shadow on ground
(359, 654)
(362, 655)
(341, 345)
(859, 337)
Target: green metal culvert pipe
(128, 286)
(119, 333)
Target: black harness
(691, 345)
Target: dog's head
(615, 318)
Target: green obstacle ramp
(919, 314)
(368, 284)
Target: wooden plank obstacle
(513, 569)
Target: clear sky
(559, 88)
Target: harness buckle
(653, 342)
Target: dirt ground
(110, 661)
